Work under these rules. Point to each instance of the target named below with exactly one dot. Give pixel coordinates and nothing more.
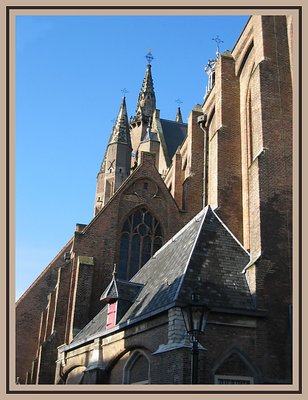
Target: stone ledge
(175, 346)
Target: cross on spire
(218, 41)
(178, 101)
(149, 56)
(124, 91)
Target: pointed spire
(146, 101)
(178, 117)
(120, 132)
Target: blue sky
(70, 71)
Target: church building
(185, 214)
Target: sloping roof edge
(204, 212)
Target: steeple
(120, 132)
(115, 167)
(178, 117)
(146, 104)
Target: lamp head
(195, 315)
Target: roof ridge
(180, 232)
(231, 233)
(174, 122)
(204, 211)
(130, 282)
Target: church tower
(146, 106)
(115, 167)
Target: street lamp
(195, 316)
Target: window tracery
(141, 237)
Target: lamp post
(195, 316)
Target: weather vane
(218, 41)
(178, 101)
(149, 56)
(124, 91)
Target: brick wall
(28, 314)
(225, 188)
(266, 88)
(186, 171)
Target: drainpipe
(202, 124)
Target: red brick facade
(239, 161)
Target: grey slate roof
(97, 324)
(174, 134)
(215, 268)
(203, 257)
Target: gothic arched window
(141, 237)
(137, 369)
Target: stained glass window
(141, 237)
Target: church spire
(146, 104)
(115, 167)
(120, 132)
(178, 117)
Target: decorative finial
(114, 272)
(149, 56)
(218, 41)
(124, 91)
(178, 117)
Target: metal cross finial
(218, 41)
(114, 272)
(149, 56)
(124, 91)
(178, 101)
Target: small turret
(115, 167)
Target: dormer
(119, 296)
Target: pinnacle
(178, 117)
(120, 132)
(146, 101)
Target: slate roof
(174, 134)
(97, 324)
(203, 257)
